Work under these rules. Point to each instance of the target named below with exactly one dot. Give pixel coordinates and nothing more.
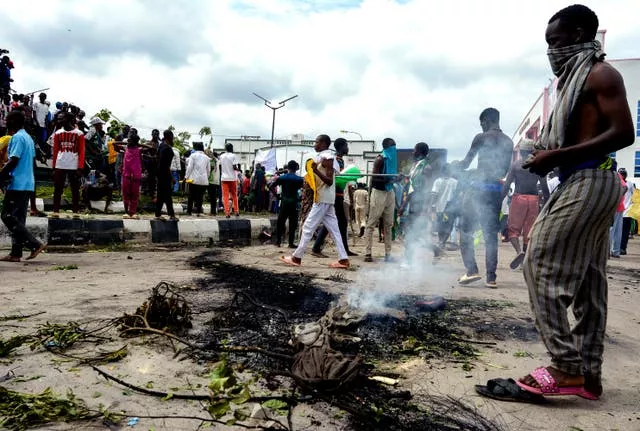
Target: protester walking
(323, 168)
(18, 176)
(482, 201)
(382, 202)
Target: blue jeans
(176, 185)
(480, 208)
(616, 233)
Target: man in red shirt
(68, 162)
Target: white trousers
(325, 214)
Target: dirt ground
(107, 284)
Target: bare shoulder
(604, 76)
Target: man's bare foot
(10, 258)
(562, 379)
(37, 251)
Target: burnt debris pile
(326, 346)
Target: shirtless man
(524, 203)
(481, 204)
(566, 260)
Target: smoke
(378, 287)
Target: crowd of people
(563, 195)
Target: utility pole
(268, 104)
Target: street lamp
(267, 103)
(355, 133)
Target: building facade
(361, 152)
(628, 158)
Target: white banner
(267, 158)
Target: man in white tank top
(323, 209)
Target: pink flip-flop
(338, 265)
(548, 386)
(289, 261)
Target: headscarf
(571, 64)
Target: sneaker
(368, 258)
(491, 284)
(623, 252)
(466, 279)
(515, 263)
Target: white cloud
(414, 70)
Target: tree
(206, 131)
(180, 140)
(115, 126)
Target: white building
(361, 153)
(535, 119)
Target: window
(636, 168)
(638, 121)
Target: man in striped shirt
(68, 162)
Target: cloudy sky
(413, 70)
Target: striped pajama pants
(565, 265)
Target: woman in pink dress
(131, 176)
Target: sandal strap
(545, 381)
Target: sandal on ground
(289, 260)
(508, 390)
(547, 386)
(338, 265)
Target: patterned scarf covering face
(571, 64)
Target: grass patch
(65, 267)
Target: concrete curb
(83, 232)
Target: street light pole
(355, 133)
(268, 104)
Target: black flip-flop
(507, 390)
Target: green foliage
(65, 267)
(206, 131)
(226, 390)
(6, 347)
(114, 125)
(58, 335)
(20, 411)
(278, 406)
